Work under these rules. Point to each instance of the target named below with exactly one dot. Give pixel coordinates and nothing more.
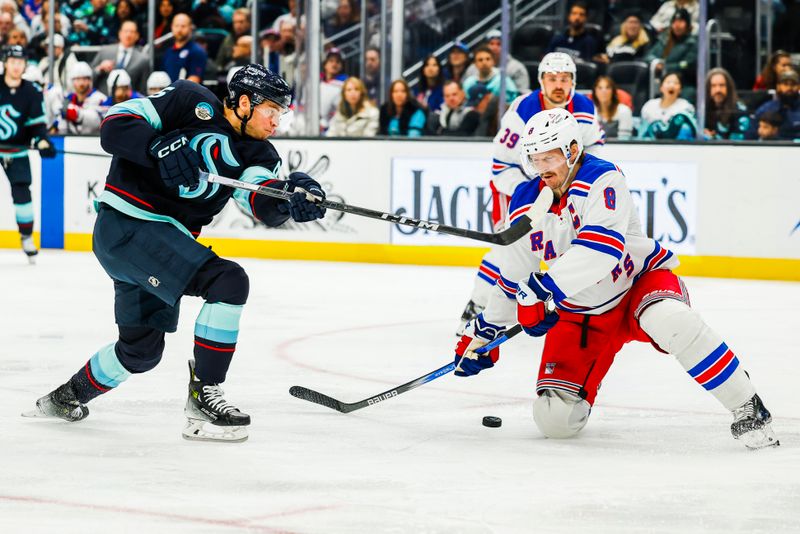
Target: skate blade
(196, 430)
(36, 413)
(760, 438)
(31, 260)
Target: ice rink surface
(656, 456)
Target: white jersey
(90, 114)
(507, 172)
(592, 244)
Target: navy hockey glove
(300, 207)
(45, 148)
(479, 333)
(177, 162)
(535, 308)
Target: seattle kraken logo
(209, 146)
(8, 126)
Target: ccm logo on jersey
(173, 146)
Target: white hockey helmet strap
(557, 62)
(547, 130)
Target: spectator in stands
(240, 25)
(11, 7)
(514, 69)
(615, 117)
(665, 14)
(455, 118)
(94, 24)
(401, 115)
(287, 51)
(372, 73)
(80, 112)
(726, 116)
(62, 64)
(786, 104)
(166, 11)
(122, 55)
(184, 59)
(38, 43)
(670, 116)
(457, 62)
(769, 126)
(270, 42)
(355, 115)
(333, 67)
(575, 40)
(17, 37)
(123, 13)
(119, 89)
(677, 47)
(290, 16)
(429, 91)
(487, 83)
(140, 12)
(39, 24)
(347, 15)
(6, 25)
(242, 51)
(212, 72)
(630, 44)
(778, 62)
(157, 81)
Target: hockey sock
(24, 214)
(215, 333)
(102, 373)
(681, 331)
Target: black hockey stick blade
(346, 407)
(506, 237)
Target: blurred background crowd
(637, 60)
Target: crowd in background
(455, 94)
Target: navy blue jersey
(134, 185)
(21, 116)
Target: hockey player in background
(22, 124)
(557, 81)
(610, 284)
(80, 112)
(149, 215)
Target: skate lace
(746, 411)
(213, 396)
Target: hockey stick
(506, 237)
(20, 148)
(346, 407)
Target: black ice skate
(29, 248)
(60, 404)
(751, 425)
(470, 312)
(210, 416)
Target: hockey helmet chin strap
(246, 118)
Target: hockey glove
(303, 204)
(177, 162)
(45, 148)
(479, 333)
(535, 308)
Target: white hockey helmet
(118, 78)
(557, 62)
(81, 69)
(158, 79)
(545, 131)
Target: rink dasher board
(696, 199)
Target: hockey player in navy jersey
(607, 284)
(149, 215)
(22, 124)
(557, 81)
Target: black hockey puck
(492, 422)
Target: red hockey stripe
(209, 347)
(135, 116)
(95, 384)
(137, 199)
(715, 369)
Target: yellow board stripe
(711, 266)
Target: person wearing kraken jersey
(610, 284)
(557, 81)
(22, 122)
(149, 215)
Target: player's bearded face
(557, 86)
(550, 166)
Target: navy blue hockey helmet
(259, 84)
(13, 51)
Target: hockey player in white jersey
(610, 285)
(557, 81)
